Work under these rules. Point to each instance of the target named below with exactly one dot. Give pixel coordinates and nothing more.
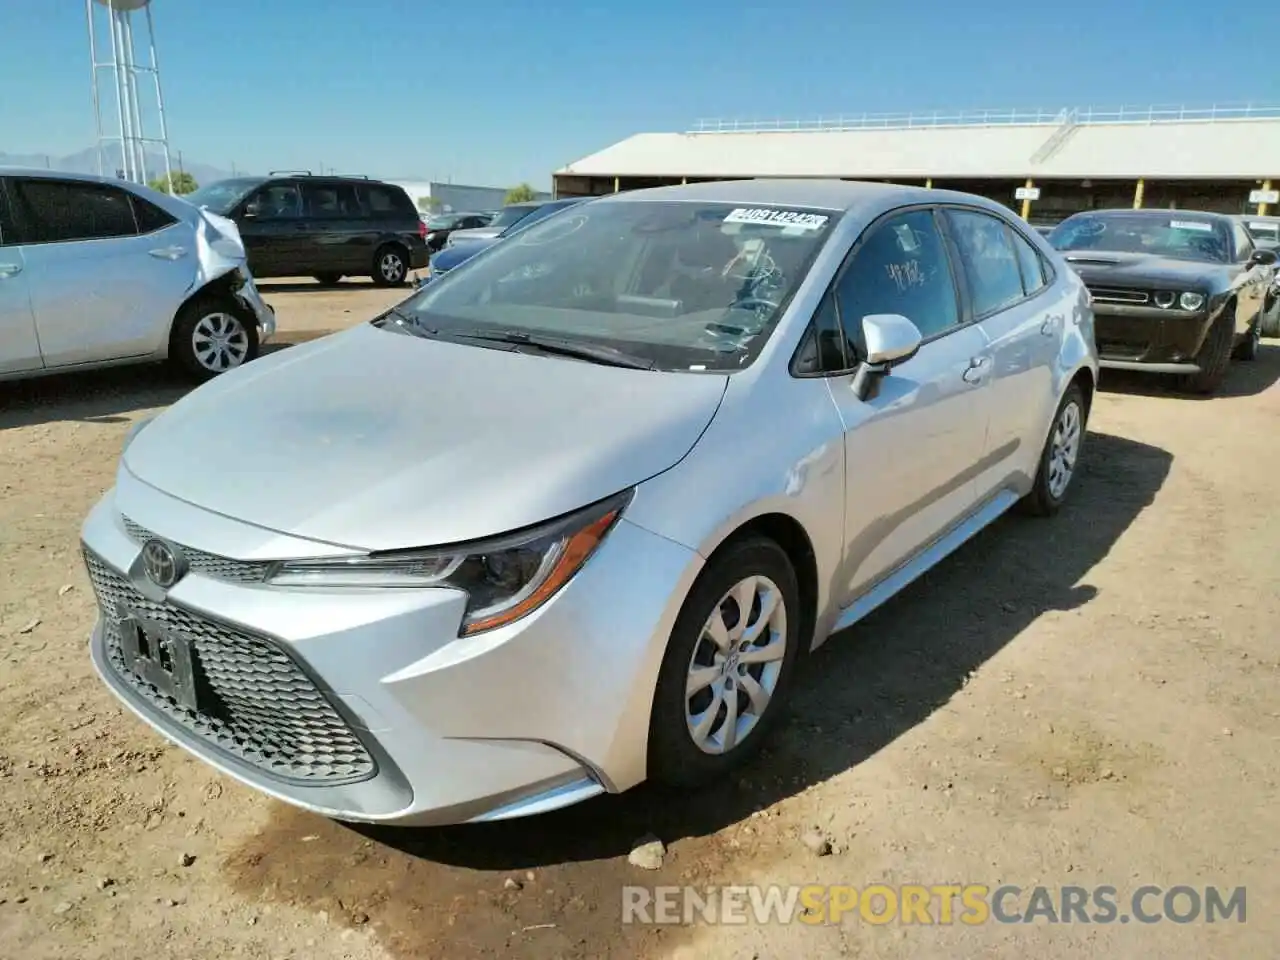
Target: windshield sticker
(1191, 225)
(778, 218)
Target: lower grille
(257, 704)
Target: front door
(912, 446)
(274, 231)
(100, 289)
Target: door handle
(168, 253)
(9, 270)
(977, 370)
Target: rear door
(337, 235)
(1005, 283)
(19, 345)
(107, 269)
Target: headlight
(505, 578)
(1191, 301)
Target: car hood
(378, 440)
(1119, 269)
(475, 233)
(450, 257)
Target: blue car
(464, 250)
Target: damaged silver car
(98, 272)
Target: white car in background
(98, 272)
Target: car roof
(1154, 212)
(45, 173)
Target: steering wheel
(757, 268)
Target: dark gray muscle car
(1174, 291)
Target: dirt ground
(1087, 700)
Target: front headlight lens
(505, 579)
(1191, 301)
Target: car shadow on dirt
(111, 395)
(1243, 379)
(861, 691)
(269, 287)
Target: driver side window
(901, 267)
(1244, 242)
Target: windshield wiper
(560, 346)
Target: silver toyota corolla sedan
(567, 518)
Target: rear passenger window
(379, 200)
(990, 264)
(1031, 262)
(58, 211)
(901, 268)
(331, 201)
(150, 218)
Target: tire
(211, 336)
(1214, 358)
(1247, 349)
(1061, 453)
(1270, 322)
(675, 757)
(329, 279)
(390, 265)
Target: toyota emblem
(161, 563)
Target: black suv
(297, 224)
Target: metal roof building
(1048, 163)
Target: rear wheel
(726, 675)
(328, 279)
(211, 336)
(390, 266)
(1060, 456)
(1214, 358)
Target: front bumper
(263, 313)
(1138, 337)
(365, 705)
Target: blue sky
(496, 91)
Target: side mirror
(1264, 256)
(891, 338)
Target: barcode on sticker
(1191, 225)
(778, 218)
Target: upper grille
(257, 704)
(1118, 295)
(209, 564)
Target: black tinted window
(1033, 272)
(384, 201)
(280, 201)
(331, 201)
(150, 217)
(990, 264)
(822, 349)
(54, 211)
(900, 268)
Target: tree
(183, 182)
(521, 194)
(429, 204)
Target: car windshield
(1263, 229)
(1184, 236)
(509, 215)
(222, 196)
(675, 285)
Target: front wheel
(1060, 457)
(726, 675)
(1214, 358)
(1248, 347)
(390, 266)
(210, 336)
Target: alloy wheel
(220, 342)
(1064, 449)
(392, 267)
(736, 664)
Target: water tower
(130, 125)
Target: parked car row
(465, 244)
(563, 520)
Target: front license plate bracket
(161, 658)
